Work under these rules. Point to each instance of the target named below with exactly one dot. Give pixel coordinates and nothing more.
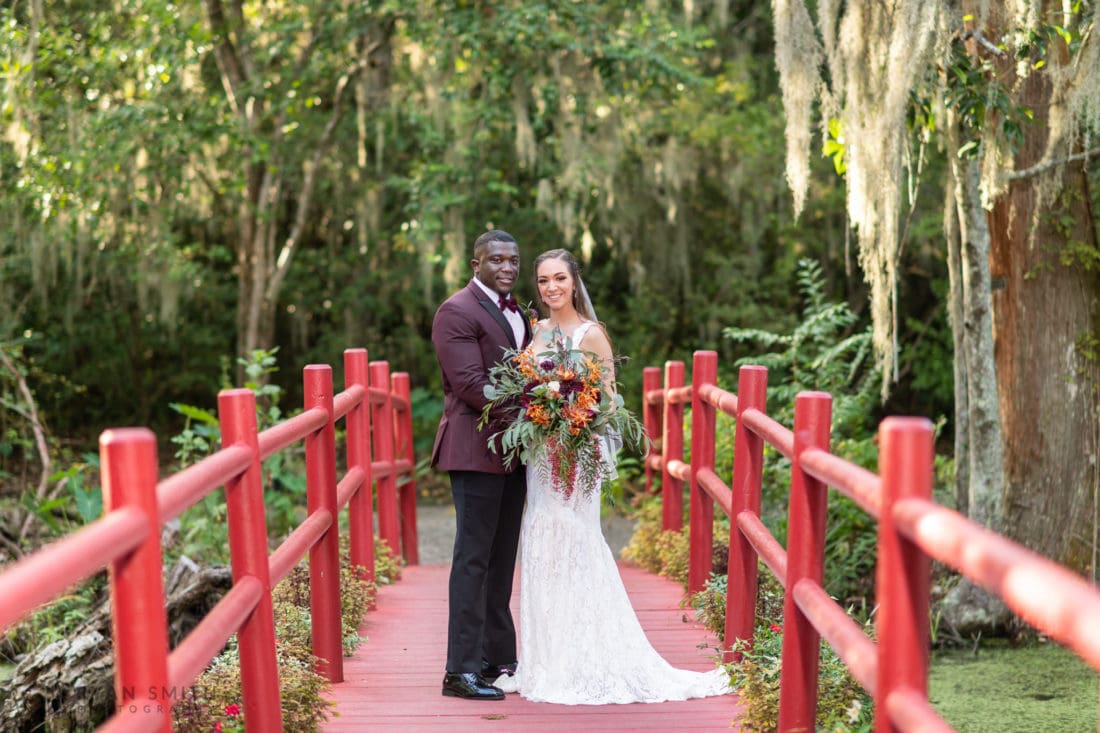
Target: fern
(823, 352)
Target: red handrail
(672, 440)
(148, 681)
(912, 530)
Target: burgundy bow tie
(507, 303)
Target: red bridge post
(247, 526)
(651, 419)
(672, 449)
(704, 371)
(382, 422)
(139, 623)
(805, 554)
(324, 555)
(903, 570)
(748, 466)
(407, 492)
(361, 504)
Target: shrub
(642, 547)
(710, 603)
(387, 564)
(842, 703)
(658, 551)
(668, 553)
(214, 701)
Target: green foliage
(834, 146)
(710, 605)
(656, 550)
(975, 91)
(88, 500)
(56, 500)
(129, 169)
(842, 704)
(823, 353)
(216, 695)
(202, 527)
(387, 564)
(427, 408)
(56, 619)
(666, 553)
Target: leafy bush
(387, 564)
(667, 553)
(214, 703)
(842, 704)
(710, 603)
(216, 696)
(658, 551)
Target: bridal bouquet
(560, 406)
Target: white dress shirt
(514, 318)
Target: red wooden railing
(912, 530)
(149, 679)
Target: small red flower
(218, 726)
(776, 628)
(233, 710)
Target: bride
(580, 640)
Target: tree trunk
(967, 609)
(1045, 312)
(983, 455)
(952, 231)
(1045, 307)
(978, 469)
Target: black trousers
(488, 512)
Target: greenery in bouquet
(555, 401)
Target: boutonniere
(529, 312)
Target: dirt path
(436, 530)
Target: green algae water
(1033, 689)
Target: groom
(470, 332)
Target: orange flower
(538, 415)
(587, 398)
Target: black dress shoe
(470, 686)
(491, 672)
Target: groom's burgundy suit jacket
(470, 334)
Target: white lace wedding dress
(580, 640)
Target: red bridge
(392, 682)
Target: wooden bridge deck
(393, 681)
